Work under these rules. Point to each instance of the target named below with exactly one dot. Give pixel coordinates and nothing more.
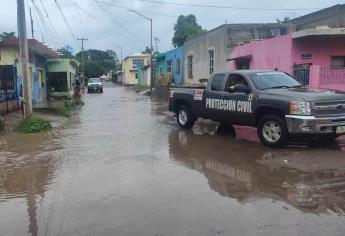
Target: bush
(68, 107)
(34, 125)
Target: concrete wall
(223, 39)
(266, 54)
(199, 47)
(37, 64)
(174, 55)
(321, 49)
(334, 17)
(64, 65)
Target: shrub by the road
(66, 110)
(34, 125)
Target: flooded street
(121, 166)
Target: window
(178, 66)
(190, 67)
(236, 79)
(57, 81)
(338, 61)
(275, 32)
(138, 62)
(169, 65)
(211, 61)
(217, 82)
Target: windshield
(268, 80)
(94, 80)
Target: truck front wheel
(185, 118)
(272, 131)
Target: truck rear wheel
(272, 131)
(185, 118)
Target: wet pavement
(121, 166)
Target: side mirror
(240, 88)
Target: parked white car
(95, 85)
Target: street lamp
(151, 53)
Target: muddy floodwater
(121, 166)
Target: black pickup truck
(274, 102)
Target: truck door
(215, 94)
(238, 105)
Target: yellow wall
(8, 55)
(128, 72)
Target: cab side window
(234, 80)
(217, 82)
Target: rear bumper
(313, 125)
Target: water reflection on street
(121, 166)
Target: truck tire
(272, 131)
(185, 117)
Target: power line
(51, 34)
(56, 35)
(116, 22)
(228, 7)
(97, 20)
(65, 20)
(157, 14)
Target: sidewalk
(13, 119)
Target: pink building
(316, 57)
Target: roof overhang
(319, 31)
(34, 47)
(246, 57)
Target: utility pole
(32, 25)
(24, 57)
(151, 47)
(157, 41)
(82, 58)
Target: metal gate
(301, 73)
(8, 89)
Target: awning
(246, 57)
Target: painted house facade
(160, 65)
(130, 70)
(38, 55)
(208, 53)
(174, 64)
(61, 77)
(315, 57)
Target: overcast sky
(107, 25)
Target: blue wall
(173, 55)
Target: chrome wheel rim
(183, 117)
(272, 131)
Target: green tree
(98, 62)
(148, 50)
(8, 35)
(285, 19)
(185, 29)
(65, 53)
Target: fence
(330, 76)
(8, 89)
(302, 75)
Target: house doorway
(301, 72)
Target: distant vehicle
(274, 102)
(95, 85)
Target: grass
(138, 88)
(68, 107)
(34, 125)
